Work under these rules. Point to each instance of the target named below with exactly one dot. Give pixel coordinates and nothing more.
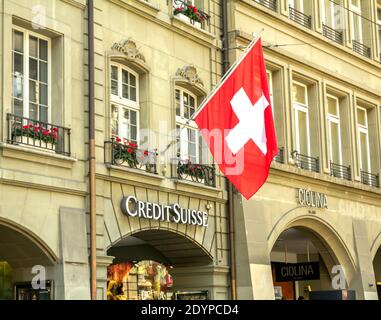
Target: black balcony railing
(306, 162)
(340, 171)
(38, 134)
(186, 8)
(280, 157)
(370, 179)
(128, 154)
(361, 48)
(199, 173)
(300, 17)
(332, 34)
(269, 4)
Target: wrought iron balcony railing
(38, 134)
(300, 18)
(340, 171)
(280, 157)
(361, 48)
(199, 173)
(269, 4)
(185, 8)
(370, 179)
(128, 154)
(332, 34)
(306, 162)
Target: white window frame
(332, 13)
(378, 19)
(355, 13)
(26, 34)
(336, 120)
(123, 103)
(299, 107)
(186, 125)
(365, 130)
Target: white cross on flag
(237, 124)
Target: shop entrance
(19, 254)
(377, 271)
(301, 266)
(146, 264)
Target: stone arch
(178, 248)
(376, 245)
(336, 251)
(15, 238)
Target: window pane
(43, 72)
(124, 76)
(364, 151)
(303, 134)
(178, 144)
(18, 107)
(33, 45)
(133, 132)
(33, 111)
(332, 106)
(299, 94)
(43, 50)
(114, 87)
(177, 98)
(133, 118)
(132, 94)
(114, 73)
(44, 94)
(18, 63)
(33, 69)
(132, 80)
(18, 41)
(18, 87)
(361, 117)
(335, 146)
(114, 116)
(192, 105)
(125, 91)
(32, 91)
(43, 114)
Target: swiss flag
(237, 124)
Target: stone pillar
(364, 281)
(102, 263)
(254, 276)
(74, 255)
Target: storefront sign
(132, 207)
(285, 272)
(312, 199)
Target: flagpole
(229, 72)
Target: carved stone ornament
(129, 48)
(190, 74)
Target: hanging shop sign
(285, 272)
(312, 199)
(133, 207)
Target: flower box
(35, 143)
(185, 18)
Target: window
(334, 131)
(300, 104)
(297, 5)
(269, 76)
(31, 64)
(188, 139)
(355, 16)
(379, 26)
(363, 139)
(124, 103)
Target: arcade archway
(147, 264)
(20, 253)
(302, 266)
(377, 271)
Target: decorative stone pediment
(189, 74)
(128, 47)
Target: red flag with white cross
(237, 124)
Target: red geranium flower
(118, 139)
(129, 150)
(146, 152)
(55, 129)
(25, 127)
(55, 136)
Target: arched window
(124, 102)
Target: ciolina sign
(133, 207)
(313, 199)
